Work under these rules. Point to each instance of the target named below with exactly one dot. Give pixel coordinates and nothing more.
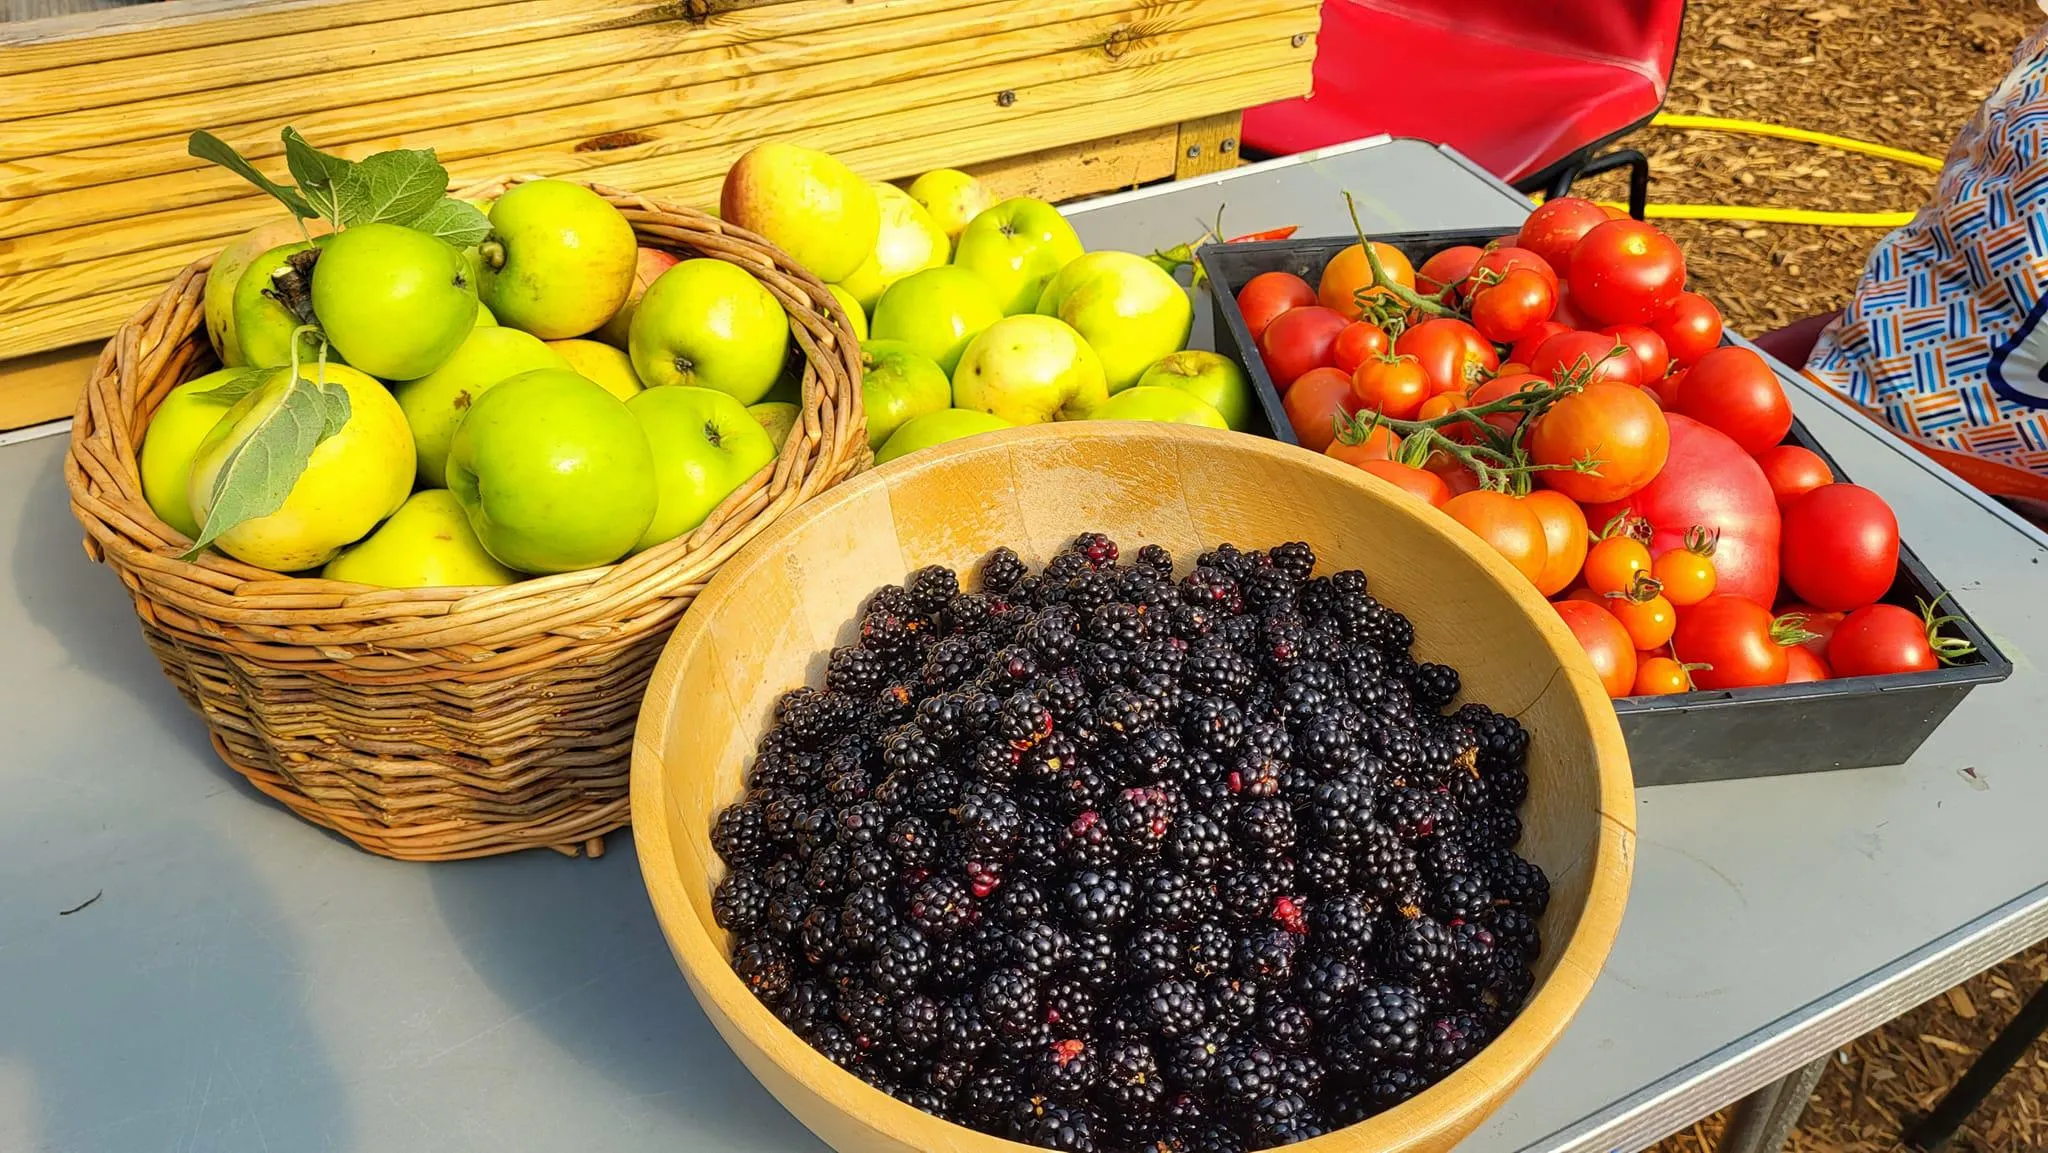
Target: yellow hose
(1759, 128)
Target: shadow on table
(573, 948)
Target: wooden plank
(1208, 144)
(44, 386)
(1072, 170)
(34, 45)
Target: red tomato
(1298, 340)
(1736, 639)
(1841, 546)
(1269, 294)
(1452, 352)
(1793, 471)
(1567, 313)
(1554, 229)
(1314, 403)
(1494, 266)
(1359, 341)
(1691, 327)
(1420, 483)
(1505, 312)
(1390, 385)
(1879, 639)
(1456, 477)
(1667, 389)
(1564, 535)
(1605, 641)
(1377, 444)
(1801, 666)
(1525, 349)
(1447, 267)
(1709, 481)
(1734, 390)
(1507, 524)
(1590, 355)
(1612, 423)
(1822, 623)
(1648, 347)
(1500, 388)
(1626, 272)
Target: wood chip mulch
(1908, 74)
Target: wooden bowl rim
(1480, 1084)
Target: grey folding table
(184, 965)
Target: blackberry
(1038, 845)
(935, 793)
(1173, 1008)
(1325, 871)
(1515, 934)
(786, 912)
(1140, 819)
(1505, 986)
(1126, 711)
(931, 589)
(818, 935)
(1213, 724)
(912, 842)
(1020, 903)
(962, 1032)
(1415, 813)
(1056, 1126)
(870, 865)
(1459, 897)
(1256, 774)
(740, 835)
(1434, 685)
(809, 1002)
(1038, 948)
(1170, 898)
(894, 705)
(826, 874)
(1130, 1080)
(1066, 1069)
(1153, 953)
(1207, 948)
(1098, 899)
(989, 821)
(1211, 588)
(1503, 742)
(740, 902)
(1094, 957)
(835, 1043)
(1517, 883)
(1345, 925)
(1001, 570)
(1286, 1026)
(907, 749)
(990, 1097)
(1383, 1027)
(1231, 1002)
(969, 613)
(1217, 670)
(1193, 1061)
(1055, 638)
(1009, 1000)
(1391, 1085)
(1022, 720)
(1421, 950)
(1294, 558)
(1100, 551)
(1110, 623)
(1247, 1073)
(995, 762)
(1015, 665)
(1265, 958)
(1267, 590)
(857, 672)
(1085, 844)
(865, 919)
(1491, 829)
(1326, 985)
(814, 716)
(917, 1022)
(1248, 893)
(1283, 638)
(765, 968)
(1070, 1004)
(1450, 1041)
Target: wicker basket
(435, 724)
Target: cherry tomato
(1687, 572)
(1554, 229)
(1879, 639)
(1524, 351)
(1269, 294)
(1734, 390)
(1442, 404)
(1605, 641)
(1564, 536)
(1588, 355)
(1691, 327)
(1420, 483)
(1447, 267)
(1391, 385)
(1667, 389)
(1643, 611)
(1648, 347)
(1298, 340)
(1626, 272)
(1377, 443)
(1496, 263)
(1500, 388)
(1793, 471)
(1507, 524)
(1582, 593)
(1821, 623)
(1612, 564)
(1839, 547)
(1660, 676)
(1736, 639)
(1801, 666)
(1611, 423)
(1349, 273)
(1505, 312)
(1356, 343)
(1456, 477)
(1453, 354)
(1314, 403)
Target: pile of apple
(976, 316)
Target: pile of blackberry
(1100, 860)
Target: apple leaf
(259, 473)
(394, 187)
(237, 386)
(453, 221)
(206, 146)
(320, 174)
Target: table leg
(1932, 1132)
(1762, 1121)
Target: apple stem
(492, 252)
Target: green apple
(175, 431)
(1127, 308)
(484, 319)
(778, 418)
(393, 302)
(1017, 246)
(937, 428)
(554, 473)
(610, 368)
(936, 312)
(909, 241)
(951, 196)
(559, 261)
(353, 479)
(1030, 369)
(1210, 377)
(897, 383)
(1158, 403)
(709, 323)
(807, 204)
(427, 543)
(262, 326)
(647, 268)
(435, 403)
(705, 445)
(856, 316)
(226, 273)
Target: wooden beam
(1074, 170)
(1208, 144)
(44, 386)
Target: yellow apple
(806, 203)
(609, 367)
(909, 241)
(427, 543)
(952, 197)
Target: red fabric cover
(1514, 84)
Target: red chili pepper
(1268, 234)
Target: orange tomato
(1605, 641)
(1314, 402)
(1648, 617)
(1393, 385)
(1510, 526)
(1564, 532)
(1687, 572)
(1612, 564)
(1608, 422)
(1349, 272)
(1658, 676)
(1378, 444)
(1420, 483)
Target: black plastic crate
(1698, 736)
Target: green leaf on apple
(460, 224)
(259, 473)
(319, 174)
(237, 386)
(204, 145)
(394, 187)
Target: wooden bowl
(766, 622)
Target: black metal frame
(1932, 1133)
(1585, 164)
